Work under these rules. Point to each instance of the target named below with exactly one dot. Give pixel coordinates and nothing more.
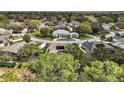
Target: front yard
(39, 36)
(83, 37)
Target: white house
(4, 37)
(64, 33)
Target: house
(64, 33)
(59, 26)
(4, 32)
(48, 23)
(21, 24)
(43, 26)
(106, 27)
(4, 37)
(60, 33)
(110, 34)
(74, 24)
(56, 47)
(119, 26)
(74, 34)
(90, 46)
(119, 43)
(13, 49)
(118, 36)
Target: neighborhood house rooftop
(62, 33)
(14, 48)
(4, 32)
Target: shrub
(26, 65)
(19, 66)
(26, 38)
(7, 64)
(10, 76)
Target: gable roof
(14, 48)
(88, 45)
(94, 45)
(60, 31)
(74, 23)
(4, 32)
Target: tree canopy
(106, 71)
(58, 67)
(29, 51)
(121, 21)
(86, 27)
(106, 19)
(34, 24)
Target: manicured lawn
(37, 35)
(64, 38)
(113, 30)
(43, 37)
(83, 37)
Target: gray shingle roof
(88, 45)
(94, 45)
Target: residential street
(77, 41)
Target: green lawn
(83, 37)
(38, 35)
(64, 38)
(113, 30)
(43, 37)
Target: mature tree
(73, 49)
(26, 38)
(46, 32)
(103, 54)
(3, 21)
(57, 67)
(15, 27)
(96, 27)
(105, 19)
(34, 25)
(115, 18)
(106, 71)
(29, 51)
(3, 17)
(121, 22)
(86, 27)
(73, 17)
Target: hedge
(7, 64)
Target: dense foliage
(58, 67)
(106, 71)
(29, 51)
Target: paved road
(77, 41)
